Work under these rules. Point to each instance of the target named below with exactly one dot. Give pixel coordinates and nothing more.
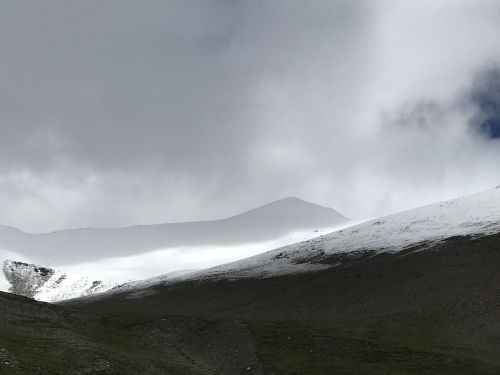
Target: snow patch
(47, 284)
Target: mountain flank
(430, 309)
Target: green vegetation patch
(395, 345)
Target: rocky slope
(426, 310)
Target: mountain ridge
(476, 214)
(138, 252)
(292, 199)
(94, 243)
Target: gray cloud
(122, 112)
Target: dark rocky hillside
(427, 310)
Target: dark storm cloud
(110, 85)
(485, 96)
(123, 112)
(116, 85)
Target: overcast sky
(133, 112)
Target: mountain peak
(291, 199)
(294, 208)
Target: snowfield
(477, 215)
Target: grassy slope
(37, 338)
(423, 312)
(383, 345)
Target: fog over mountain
(137, 252)
(124, 113)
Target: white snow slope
(124, 254)
(477, 215)
(45, 284)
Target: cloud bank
(121, 112)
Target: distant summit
(293, 205)
(293, 212)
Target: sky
(136, 112)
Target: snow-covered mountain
(46, 284)
(473, 215)
(138, 252)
